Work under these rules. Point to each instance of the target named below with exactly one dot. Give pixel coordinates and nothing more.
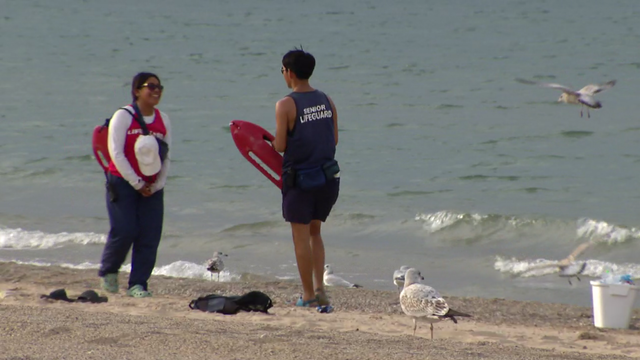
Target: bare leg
(304, 258)
(415, 325)
(317, 250)
(581, 107)
(588, 115)
(431, 331)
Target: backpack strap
(127, 110)
(201, 302)
(138, 118)
(193, 304)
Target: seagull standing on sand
(583, 97)
(215, 264)
(398, 277)
(423, 302)
(330, 279)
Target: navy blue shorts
(301, 207)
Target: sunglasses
(282, 69)
(153, 87)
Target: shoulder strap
(138, 118)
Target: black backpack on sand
(231, 305)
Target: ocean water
(448, 164)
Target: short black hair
(138, 80)
(300, 62)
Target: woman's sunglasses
(153, 87)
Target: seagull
(568, 267)
(582, 97)
(572, 270)
(398, 277)
(215, 264)
(330, 279)
(423, 302)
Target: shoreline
(365, 324)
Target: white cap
(146, 149)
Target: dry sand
(366, 324)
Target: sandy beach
(366, 324)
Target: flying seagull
(422, 302)
(573, 270)
(583, 97)
(215, 264)
(568, 267)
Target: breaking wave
(178, 269)
(530, 268)
(474, 225)
(23, 239)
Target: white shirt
(118, 126)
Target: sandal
(109, 283)
(137, 291)
(309, 303)
(323, 299)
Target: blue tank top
(312, 141)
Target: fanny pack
(308, 179)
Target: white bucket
(612, 304)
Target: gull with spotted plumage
(215, 264)
(422, 302)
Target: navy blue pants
(136, 221)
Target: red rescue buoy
(254, 144)
(100, 147)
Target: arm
(164, 170)
(335, 119)
(285, 118)
(118, 126)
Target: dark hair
(139, 80)
(300, 62)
